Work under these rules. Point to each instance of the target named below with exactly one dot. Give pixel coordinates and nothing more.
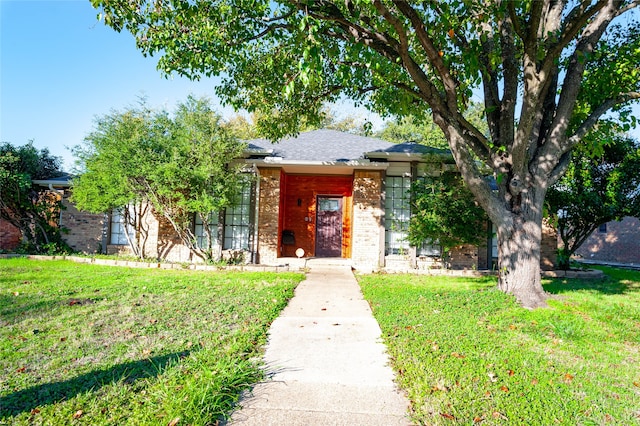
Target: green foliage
(549, 72)
(595, 190)
(422, 130)
(130, 346)
(181, 165)
(467, 354)
(445, 211)
(411, 129)
(31, 209)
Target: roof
(331, 146)
(321, 145)
(62, 181)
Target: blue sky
(60, 68)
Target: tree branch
(595, 115)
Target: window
(494, 241)
(602, 228)
(237, 220)
(430, 249)
(397, 209)
(118, 227)
(199, 230)
(397, 216)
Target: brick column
(548, 246)
(268, 215)
(368, 220)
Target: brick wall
(268, 216)
(10, 236)
(464, 257)
(620, 243)
(368, 222)
(166, 242)
(83, 231)
(548, 247)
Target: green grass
(88, 344)
(467, 354)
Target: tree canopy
(596, 189)
(31, 209)
(446, 212)
(549, 70)
(180, 165)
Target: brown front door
(329, 227)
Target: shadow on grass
(50, 393)
(615, 281)
(14, 310)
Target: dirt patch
(74, 301)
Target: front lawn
(99, 345)
(467, 354)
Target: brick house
(75, 223)
(323, 193)
(617, 242)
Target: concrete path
(325, 361)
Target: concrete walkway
(325, 361)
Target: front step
(310, 262)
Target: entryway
(329, 227)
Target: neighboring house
(72, 221)
(10, 236)
(617, 242)
(323, 193)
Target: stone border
(584, 274)
(154, 265)
(587, 273)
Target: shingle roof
(322, 145)
(412, 148)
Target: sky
(60, 68)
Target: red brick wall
(10, 236)
(621, 243)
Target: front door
(329, 227)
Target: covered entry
(315, 215)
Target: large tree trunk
(519, 242)
(519, 263)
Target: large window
(397, 217)
(397, 209)
(118, 226)
(237, 221)
(199, 230)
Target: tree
(446, 212)
(180, 166)
(424, 131)
(536, 61)
(113, 156)
(595, 190)
(31, 209)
